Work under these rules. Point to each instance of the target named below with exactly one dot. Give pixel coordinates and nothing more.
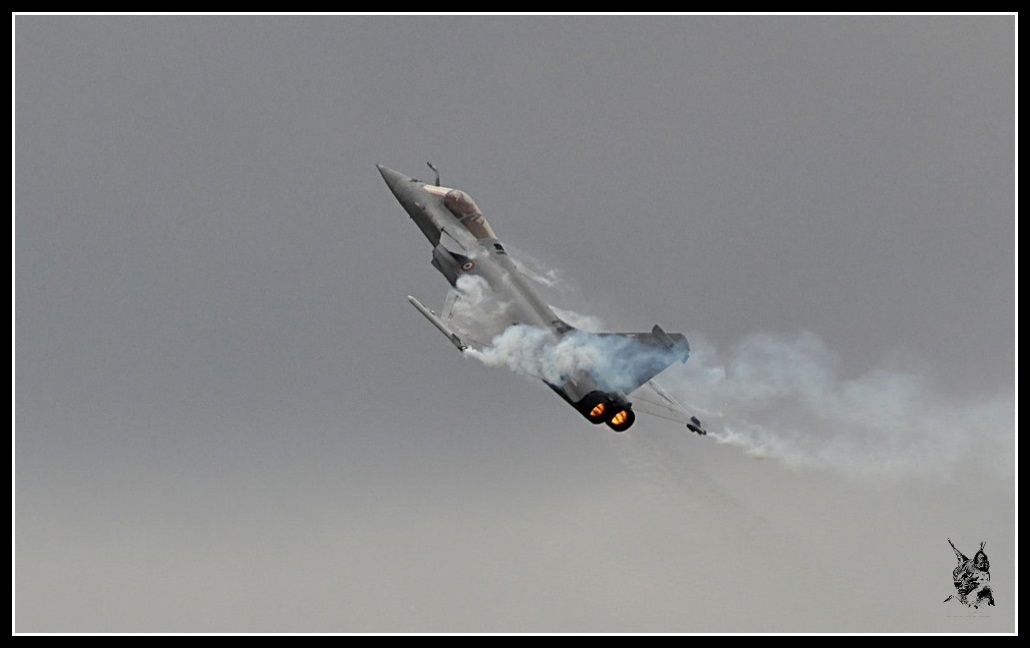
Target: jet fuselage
(467, 252)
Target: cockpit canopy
(461, 203)
(467, 211)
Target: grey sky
(230, 419)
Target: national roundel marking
(468, 265)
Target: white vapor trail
(784, 399)
(579, 320)
(537, 271)
(614, 362)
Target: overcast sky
(228, 417)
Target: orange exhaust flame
(620, 417)
(597, 411)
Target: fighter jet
(609, 389)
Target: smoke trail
(579, 320)
(615, 362)
(778, 398)
(477, 303)
(538, 272)
(783, 399)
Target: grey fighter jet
(606, 377)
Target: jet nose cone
(396, 181)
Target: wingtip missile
(696, 427)
(435, 321)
